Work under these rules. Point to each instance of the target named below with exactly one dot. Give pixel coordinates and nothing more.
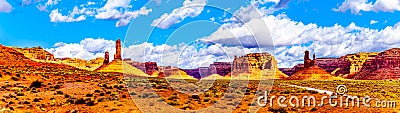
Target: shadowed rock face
(220, 68)
(151, 67)
(106, 58)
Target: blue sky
(46, 23)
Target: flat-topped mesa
(117, 55)
(385, 65)
(252, 62)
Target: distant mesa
(256, 66)
(311, 71)
(216, 68)
(385, 65)
(253, 66)
(361, 66)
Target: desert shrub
(207, 99)
(14, 78)
(277, 110)
(173, 103)
(313, 109)
(160, 99)
(36, 84)
(132, 93)
(20, 94)
(89, 95)
(312, 92)
(66, 96)
(60, 92)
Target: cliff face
(9, 56)
(36, 53)
(386, 65)
(17, 62)
(345, 66)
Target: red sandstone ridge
(17, 61)
(386, 65)
(345, 66)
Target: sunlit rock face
(252, 62)
(36, 53)
(386, 65)
(347, 65)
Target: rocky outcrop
(151, 67)
(252, 62)
(216, 68)
(11, 59)
(312, 71)
(106, 58)
(256, 66)
(344, 66)
(36, 53)
(386, 65)
(117, 55)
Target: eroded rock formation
(106, 58)
(252, 62)
(36, 53)
(117, 55)
(385, 65)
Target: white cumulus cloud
(373, 22)
(292, 38)
(110, 11)
(56, 16)
(190, 8)
(5, 6)
(87, 49)
(355, 6)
